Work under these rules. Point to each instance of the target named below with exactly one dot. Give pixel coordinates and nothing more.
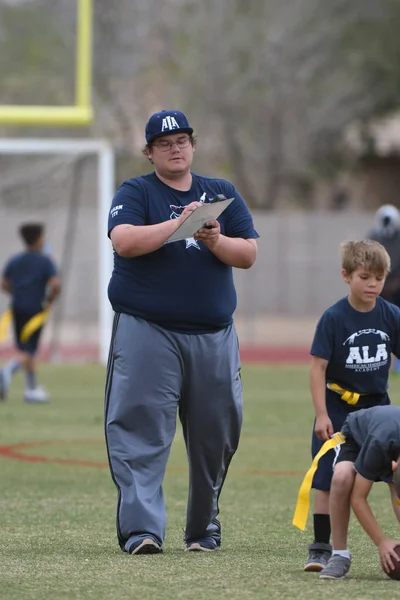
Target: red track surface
(249, 354)
(16, 452)
(89, 353)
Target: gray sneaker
(337, 567)
(318, 556)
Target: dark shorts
(348, 451)
(338, 410)
(31, 346)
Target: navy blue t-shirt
(181, 286)
(28, 274)
(358, 345)
(377, 431)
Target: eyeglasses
(166, 145)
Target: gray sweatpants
(152, 373)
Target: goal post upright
(83, 56)
(106, 168)
(79, 114)
(105, 191)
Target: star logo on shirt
(191, 242)
(176, 212)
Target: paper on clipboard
(197, 219)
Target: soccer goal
(67, 184)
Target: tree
(271, 86)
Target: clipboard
(197, 219)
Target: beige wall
(296, 276)
(298, 266)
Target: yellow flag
(33, 325)
(303, 499)
(5, 321)
(349, 397)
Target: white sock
(12, 367)
(344, 553)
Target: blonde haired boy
(351, 354)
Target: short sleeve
(128, 206)
(6, 270)
(238, 220)
(396, 340)
(371, 463)
(323, 342)
(51, 269)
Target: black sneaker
(204, 545)
(318, 556)
(146, 546)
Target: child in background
(387, 232)
(30, 277)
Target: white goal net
(67, 185)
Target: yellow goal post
(64, 116)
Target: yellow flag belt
(28, 329)
(303, 498)
(5, 321)
(349, 397)
(33, 325)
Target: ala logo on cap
(169, 123)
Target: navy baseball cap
(165, 123)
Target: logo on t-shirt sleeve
(115, 210)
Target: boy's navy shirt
(377, 431)
(181, 286)
(358, 345)
(29, 273)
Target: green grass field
(57, 515)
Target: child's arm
(323, 424)
(54, 289)
(5, 285)
(367, 520)
(395, 500)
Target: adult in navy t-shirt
(181, 286)
(174, 346)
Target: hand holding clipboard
(199, 217)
